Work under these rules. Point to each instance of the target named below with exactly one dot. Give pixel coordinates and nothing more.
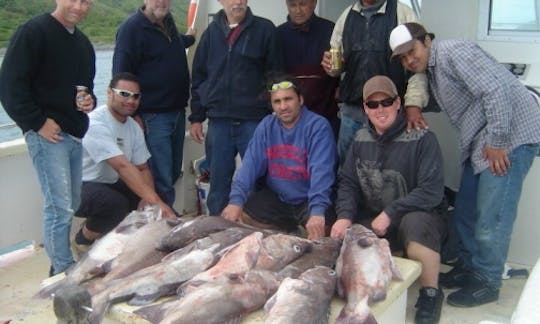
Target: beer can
(336, 63)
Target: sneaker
(476, 293)
(428, 306)
(455, 278)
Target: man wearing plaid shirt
(498, 121)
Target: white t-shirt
(107, 138)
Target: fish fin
(173, 221)
(140, 300)
(153, 313)
(48, 291)
(107, 266)
(360, 314)
(234, 320)
(377, 297)
(396, 274)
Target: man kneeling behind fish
(392, 182)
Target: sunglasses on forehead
(127, 94)
(282, 85)
(374, 104)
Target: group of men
(377, 164)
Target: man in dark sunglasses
(392, 182)
(116, 176)
(294, 151)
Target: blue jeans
(485, 211)
(347, 129)
(225, 138)
(165, 134)
(59, 170)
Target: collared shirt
(416, 94)
(486, 102)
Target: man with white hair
(233, 58)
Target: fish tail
(49, 290)
(352, 316)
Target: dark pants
(265, 207)
(105, 205)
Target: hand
(50, 131)
(85, 103)
(196, 132)
(380, 224)
(166, 211)
(232, 213)
(339, 227)
(315, 227)
(326, 62)
(415, 119)
(498, 160)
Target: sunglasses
(127, 94)
(282, 85)
(374, 104)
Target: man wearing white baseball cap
(498, 123)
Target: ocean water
(9, 131)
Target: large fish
(104, 250)
(200, 227)
(365, 268)
(303, 300)
(239, 258)
(148, 284)
(139, 252)
(271, 253)
(225, 300)
(324, 252)
(281, 249)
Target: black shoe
(51, 271)
(455, 278)
(476, 293)
(428, 306)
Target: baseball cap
(379, 83)
(403, 36)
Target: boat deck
(20, 281)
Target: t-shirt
(107, 138)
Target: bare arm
(138, 182)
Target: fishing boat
(508, 30)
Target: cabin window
(510, 20)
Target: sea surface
(9, 131)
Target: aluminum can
(336, 62)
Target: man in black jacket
(45, 61)
(234, 56)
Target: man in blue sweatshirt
(294, 150)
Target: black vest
(367, 53)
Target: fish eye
(297, 248)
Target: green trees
(100, 25)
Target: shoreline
(97, 47)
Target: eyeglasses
(127, 94)
(374, 104)
(282, 85)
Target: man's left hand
(498, 160)
(315, 227)
(380, 224)
(415, 119)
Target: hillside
(100, 25)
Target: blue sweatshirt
(299, 163)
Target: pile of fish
(217, 271)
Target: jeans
(165, 134)
(225, 138)
(351, 122)
(485, 211)
(59, 170)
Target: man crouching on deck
(294, 150)
(116, 176)
(392, 182)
